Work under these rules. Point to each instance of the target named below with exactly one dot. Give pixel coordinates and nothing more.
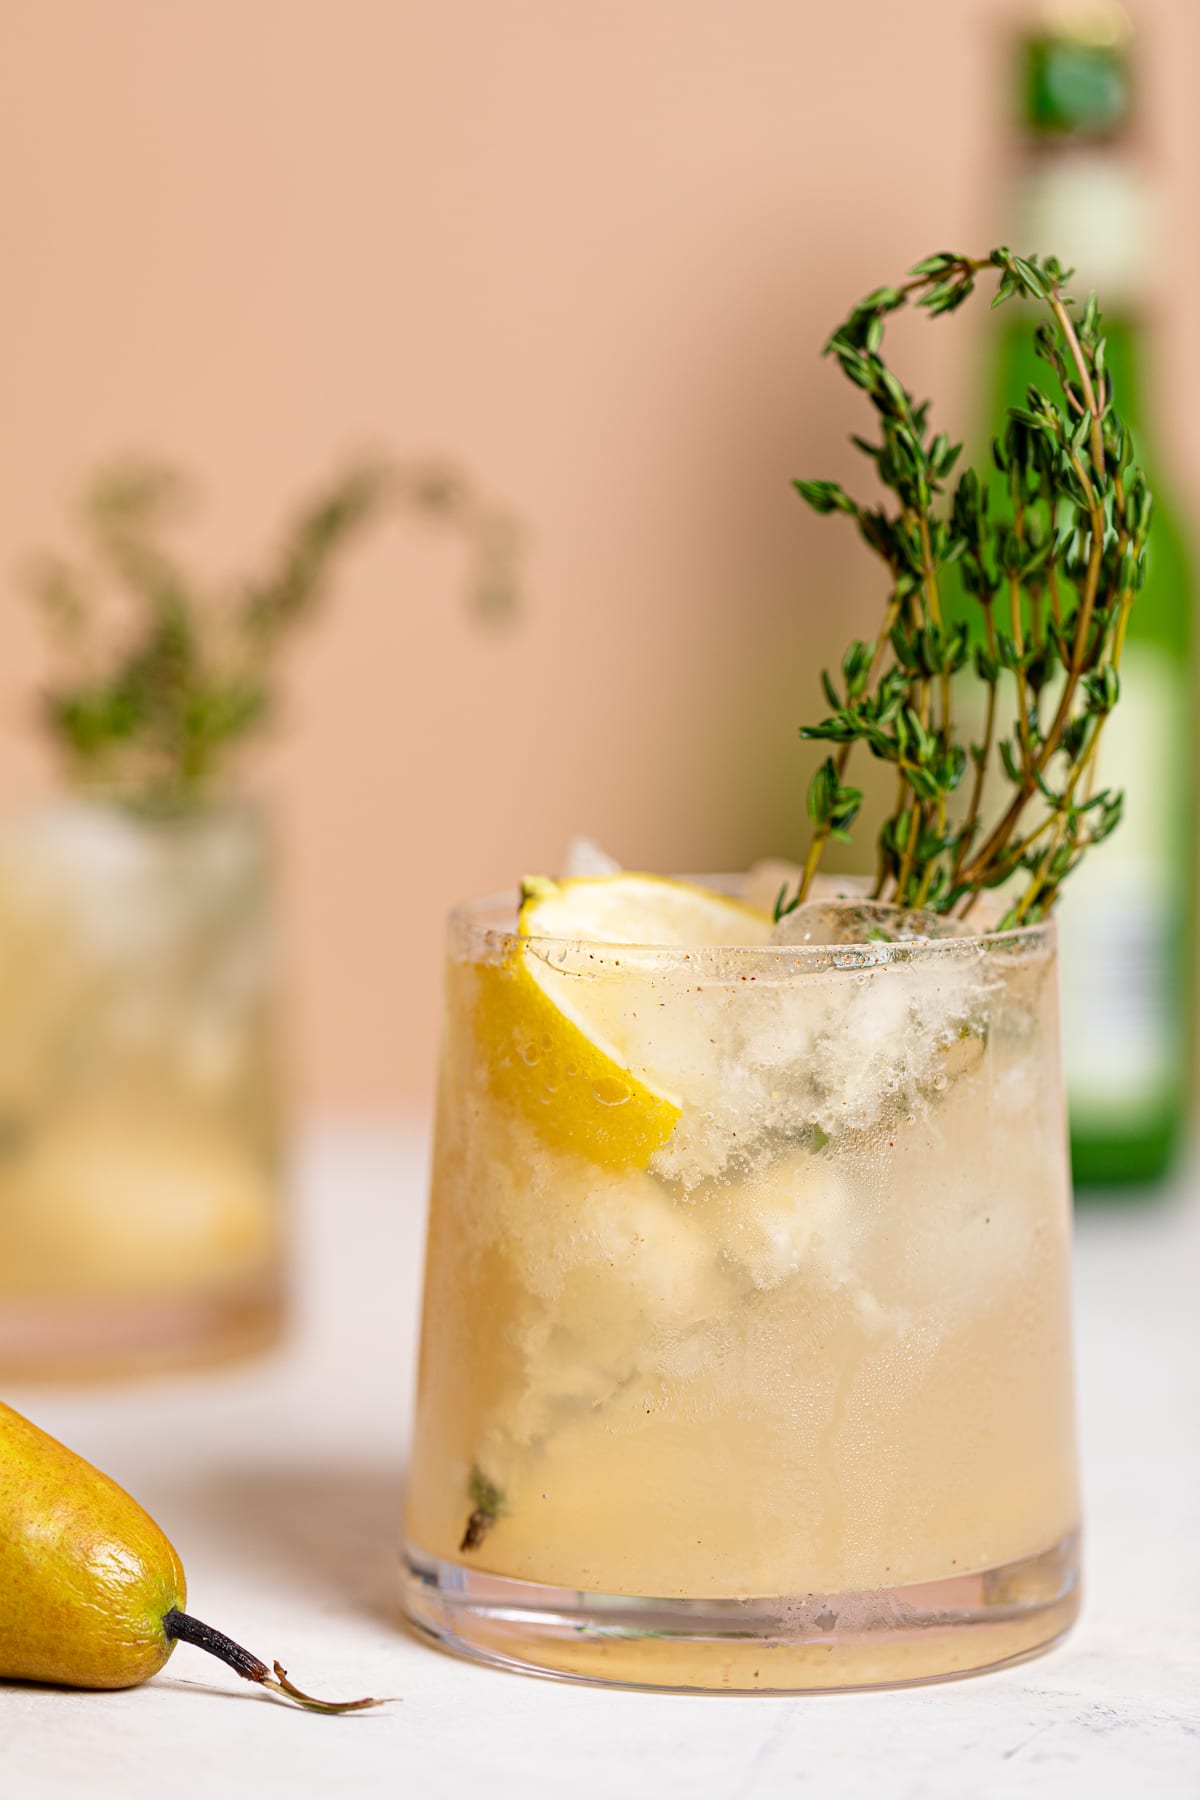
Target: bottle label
(1098, 210)
(1121, 916)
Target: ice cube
(794, 1211)
(613, 1270)
(586, 858)
(856, 921)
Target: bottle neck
(1092, 207)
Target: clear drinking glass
(139, 1144)
(785, 1402)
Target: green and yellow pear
(86, 1577)
(92, 1593)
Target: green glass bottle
(1127, 917)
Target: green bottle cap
(1076, 77)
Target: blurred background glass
(142, 1220)
(595, 254)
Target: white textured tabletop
(280, 1484)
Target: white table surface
(280, 1484)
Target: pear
(91, 1591)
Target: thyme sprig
(162, 677)
(1053, 571)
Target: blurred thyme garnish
(164, 678)
(487, 1500)
(1054, 578)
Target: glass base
(888, 1637)
(78, 1340)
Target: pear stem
(181, 1626)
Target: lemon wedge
(552, 1017)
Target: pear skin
(86, 1576)
(91, 1592)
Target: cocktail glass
(751, 1370)
(141, 1219)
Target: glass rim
(486, 926)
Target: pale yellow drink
(140, 1191)
(804, 1334)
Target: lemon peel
(540, 1029)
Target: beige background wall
(589, 250)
